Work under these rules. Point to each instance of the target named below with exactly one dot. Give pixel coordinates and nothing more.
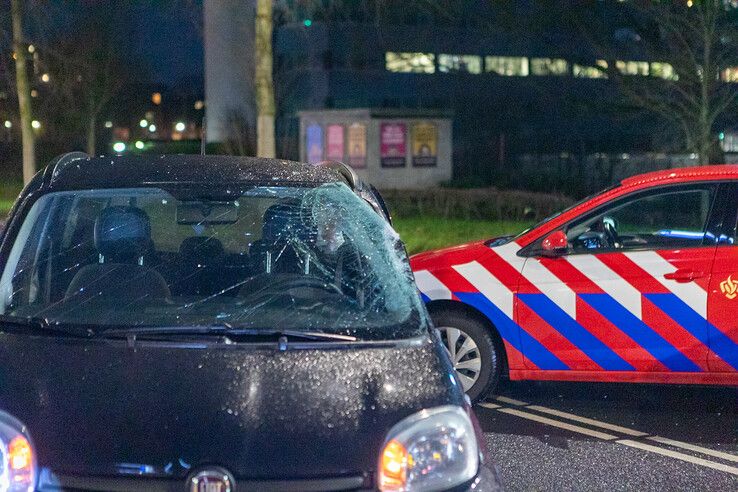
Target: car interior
(111, 254)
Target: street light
(8, 124)
(36, 124)
(152, 128)
(180, 127)
(143, 123)
(139, 145)
(119, 147)
(45, 78)
(108, 124)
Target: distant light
(199, 105)
(143, 123)
(45, 78)
(34, 93)
(152, 128)
(108, 124)
(690, 3)
(308, 23)
(156, 98)
(722, 136)
(139, 145)
(36, 124)
(8, 124)
(119, 147)
(180, 127)
(31, 48)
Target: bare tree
(698, 42)
(87, 70)
(264, 85)
(24, 92)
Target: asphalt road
(613, 436)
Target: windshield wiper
(225, 330)
(44, 326)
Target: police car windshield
(302, 258)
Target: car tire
(473, 347)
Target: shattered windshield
(299, 258)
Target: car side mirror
(555, 244)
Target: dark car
(216, 324)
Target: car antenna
(203, 134)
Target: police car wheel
(473, 351)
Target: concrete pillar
(229, 67)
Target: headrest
(202, 248)
(122, 233)
(281, 221)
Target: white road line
(679, 456)
(511, 401)
(488, 405)
(697, 449)
(622, 430)
(556, 423)
(588, 421)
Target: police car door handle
(684, 275)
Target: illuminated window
(730, 74)
(632, 67)
(599, 71)
(460, 63)
(507, 65)
(548, 66)
(410, 62)
(663, 71)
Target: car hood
(429, 259)
(101, 407)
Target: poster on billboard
(334, 143)
(314, 143)
(357, 145)
(425, 144)
(392, 144)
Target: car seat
(284, 246)
(203, 259)
(122, 239)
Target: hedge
(477, 203)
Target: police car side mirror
(555, 244)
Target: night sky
(169, 41)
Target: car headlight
(17, 457)
(431, 450)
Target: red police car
(637, 284)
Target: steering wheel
(277, 284)
(608, 226)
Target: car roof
(694, 173)
(76, 170)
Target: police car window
(667, 219)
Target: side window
(666, 219)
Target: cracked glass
(305, 258)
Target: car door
(630, 292)
(722, 301)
